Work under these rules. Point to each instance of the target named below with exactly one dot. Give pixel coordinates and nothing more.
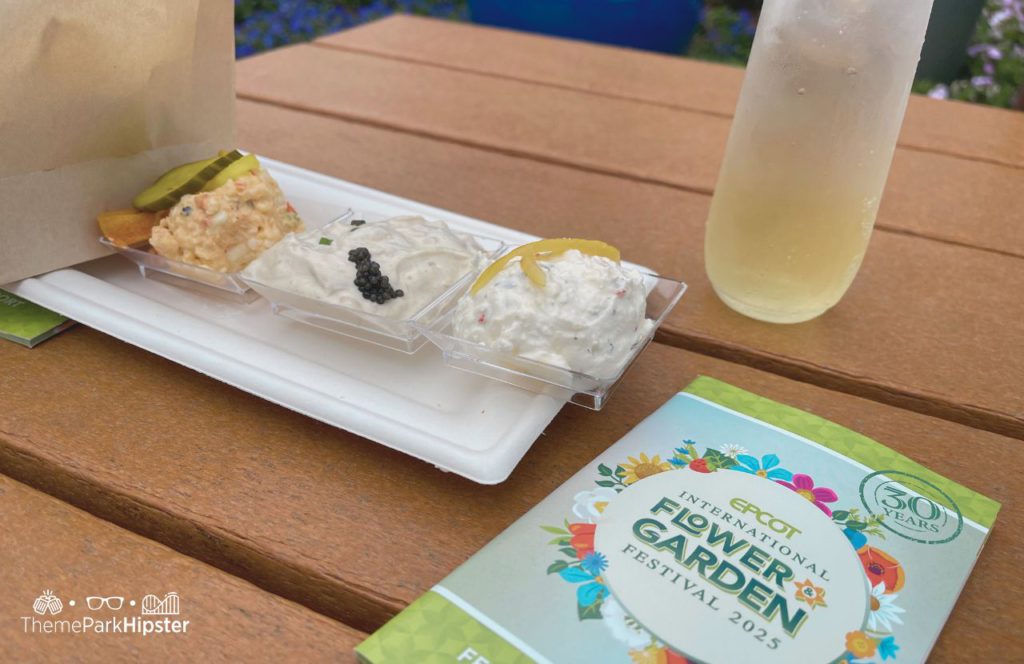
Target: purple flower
(998, 17)
(987, 49)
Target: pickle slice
(127, 228)
(243, 166)
(529, 254)
(181, 180)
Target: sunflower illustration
(637, 469)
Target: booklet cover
(26, 323)
(723, 528)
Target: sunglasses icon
(96, 603)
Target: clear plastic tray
(397, 334)
(194, 277)
(186, 275)
(543, 378)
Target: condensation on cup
(809, 152)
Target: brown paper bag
(97, 99)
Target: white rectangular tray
(466, 424)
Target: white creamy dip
(588, 317)
(420, 257)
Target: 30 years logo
(913, 508)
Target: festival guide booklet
(723, 528)
(26, 323)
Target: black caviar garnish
(371, 283)
(357, 222)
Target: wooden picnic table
(554, 138)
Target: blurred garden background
(974, 51)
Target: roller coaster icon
(154, 606)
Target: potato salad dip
(226, 228)
(588, 316)
(391, 268)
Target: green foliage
(592, 612)
(854, 520)
(718, 461)
(725, 35)
(617, 482)
(996, 67)
(247, 8)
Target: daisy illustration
(884, 611)
(590, 504)
(732, 450)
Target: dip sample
(560, 305)
(225, 228)
(392, 268)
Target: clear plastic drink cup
(809, 152)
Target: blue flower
(857, 538)
(766, 467)
(590, 591)
(887, 648)
(594, 562)
(685, 454)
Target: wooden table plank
(560, 126)
(610, 71)
(50, 545)
(928, 326)
(965, 202)
(968, 130)
(970, 203)
(356, 530)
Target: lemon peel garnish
(530, 254)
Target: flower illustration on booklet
(581, 565)
(724, 527)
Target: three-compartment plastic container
(433, 322)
